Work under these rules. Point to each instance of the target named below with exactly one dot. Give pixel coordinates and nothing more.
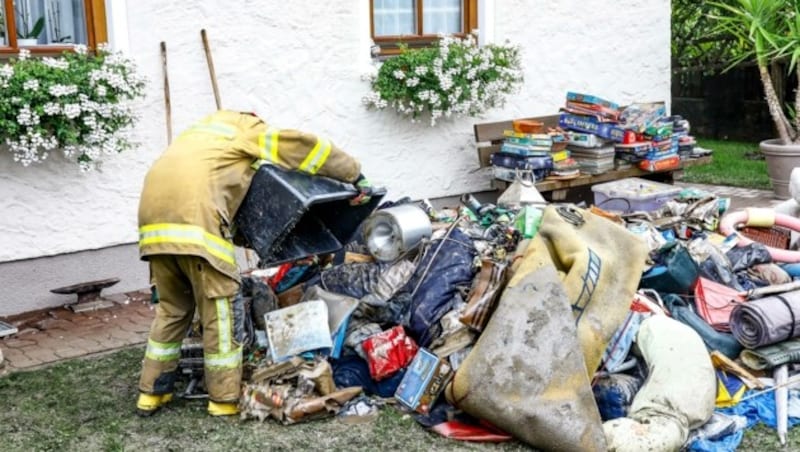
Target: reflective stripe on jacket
(192, 192)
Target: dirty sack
(526, 373)
(600, 264)
(678, 395)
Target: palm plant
(768, 32)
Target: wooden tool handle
(211, 71)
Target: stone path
(56, 334)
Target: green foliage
(453, 78)
(34, 32)
(78, 103)
(697, 43)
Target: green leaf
(37, 28)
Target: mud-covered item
(600, 264)
(768, 320)
(354, 280)
(677, 272)
(425, 379)
(744, 257)
(389, 351)
(486, 290)
(678, 395)
(289, 215)
(725, 343)
(446, 265)
(763, 358)
(263, 299)
(614, 394)
(714, 264)
(526, 373)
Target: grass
(88, 404)
(735, 163)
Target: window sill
(42, 49)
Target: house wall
(299, 65)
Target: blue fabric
(436, 280)
(760, 408)
(354, 371)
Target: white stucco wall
(299, 65)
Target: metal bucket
(389, 233)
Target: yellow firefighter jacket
(192, 192)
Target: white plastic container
(633, 194)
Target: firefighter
(189, 199)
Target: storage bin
(633, 194)
(289, 215)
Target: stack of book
(529, 152)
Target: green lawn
(88, 404)
(735, 163)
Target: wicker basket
(774, 236)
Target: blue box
(424, 381)
(588, 124)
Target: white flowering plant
(455, 77)
(79, 103)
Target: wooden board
(547, 185)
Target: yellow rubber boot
(222, 409)
(150, 403)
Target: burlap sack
(600, 264)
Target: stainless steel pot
(389, 233)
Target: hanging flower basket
(78, 104)
(454, 78)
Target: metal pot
(389, 233)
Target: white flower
(421, 70)
(24, 54)
(81, 49)
(59, 90)
(52, 108)
(55, 63)
(412, 82)
(31, 84)
(398, 74)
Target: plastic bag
(521, 192)
(744, 257)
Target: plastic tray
(633, 194)
(288, 215)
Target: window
(417, 23)
(51, 26)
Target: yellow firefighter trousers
(186, 283)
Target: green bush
(456, 77)
(78, 103)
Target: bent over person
(190, 197)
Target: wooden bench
(489, 138)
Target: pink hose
(730, 221)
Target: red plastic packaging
(389, 351)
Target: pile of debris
(648, 324)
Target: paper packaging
(425, 379)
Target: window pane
(64, 21)
(3, 38)
(395, 17)
(442, 16)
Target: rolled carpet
(767, 321)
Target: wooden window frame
(96, 30)
(390, 45)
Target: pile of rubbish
(651, 324)
(594, 136)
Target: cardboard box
(425, 379)
(588, 124)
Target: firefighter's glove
(364, 191)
